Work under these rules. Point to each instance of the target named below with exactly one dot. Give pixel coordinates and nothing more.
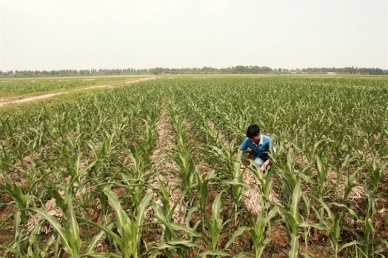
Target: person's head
(253, 133)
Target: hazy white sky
(86, 34)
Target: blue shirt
(257, 149)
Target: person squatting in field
(260, 145)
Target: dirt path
(4, 102)
(161, 161)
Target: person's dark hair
(253, 130)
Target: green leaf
(215, 253)
(314, 225)
(61, 231)
(236, 234)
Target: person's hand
(264, 166)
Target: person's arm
(268, 161)
(265, 164)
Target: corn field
(21, 87)
(151, 170)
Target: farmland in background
(150, 170)
(11, 88)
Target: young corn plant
(30, 246)
(225, 153)
(266, 213)
(214, 225)
(183, 156)
(68, 233)
(287, 174)
(349, 184)
(369, 223)
(64, 191)
(323, 170)
(257, 231)
(129, 227)
(332, 224)
(133, 178)
(20, 199)
(306, 219)
(5, 158)
(171, 239)
(291, 216)
(148, 137)
(237, 185)
(202, 189)
(265, 180)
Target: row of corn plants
(199, 234)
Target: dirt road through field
(4, 102)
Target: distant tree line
(348, 70)
(203, 70)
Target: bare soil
(162, 163)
